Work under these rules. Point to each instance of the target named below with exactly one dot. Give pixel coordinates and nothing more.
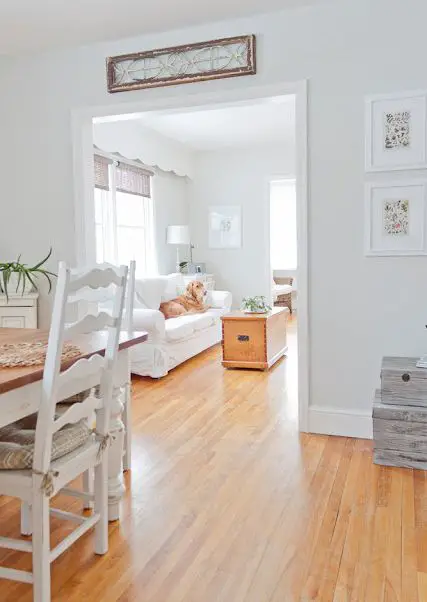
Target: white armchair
(171, 342)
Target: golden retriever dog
(191, 302)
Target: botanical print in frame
(396, 132)
(395, 218)
(225, 227)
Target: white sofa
(171, 342)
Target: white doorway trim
(81, 124)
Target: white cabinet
(20, 311)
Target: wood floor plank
(226, 502)
(409, 540)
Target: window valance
(101, 174)
(133, 180)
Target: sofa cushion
(175, 286)
(201, 321)
(177, 329)
(184, 327)
(149, 292)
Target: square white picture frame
(396, 131)
(395, 218)
(225, 227)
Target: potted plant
(183, 266)
(255, 305)
(16, 276)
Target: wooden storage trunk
(254, 341)
(402, 383)
(400, 434)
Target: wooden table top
(12, 378)
(238, 315)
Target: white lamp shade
(178, 235)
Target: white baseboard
(328, 420)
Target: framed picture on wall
(396, 218)
(396, 132)
(225, 226)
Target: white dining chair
(87, 300)
(36, 464)
(127, 401)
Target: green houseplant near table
(17, 277)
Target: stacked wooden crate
(400, 414)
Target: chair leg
(127, 419)
(88, 488)
(101, 506)
(26, 522)
(41, 547)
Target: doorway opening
(204, 160)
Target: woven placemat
(15, 355)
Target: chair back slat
(90, 323)
(85, 373)
(87, 300)
(95, 278)
(99, 295)
(78, 411)
(130, 297)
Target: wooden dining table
(20, 393)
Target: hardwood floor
(227, 503)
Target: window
(283, 225)
(124, 221)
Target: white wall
(135, 141)
(171, 207)
(238, 177)
(361, 308)
(170, 191)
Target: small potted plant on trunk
(255, 305)
(17, 277)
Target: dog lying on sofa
(191, 302)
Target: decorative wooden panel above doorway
(216, 59)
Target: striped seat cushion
(17, 442)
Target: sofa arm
(151, 320)
(219, 299)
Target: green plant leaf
(5, 276)
(20, 277)
(35, 267)
(46, 275)
(30, 278)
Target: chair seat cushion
(17, 442)
(282, 289)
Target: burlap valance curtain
(133, 180)
(101, 174)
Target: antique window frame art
(215, 59)
(225, 238)
(395, 218)
(396, 131)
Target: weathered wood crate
(402, 383)
(400, 434)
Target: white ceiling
(265, 121)
(30, 25)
